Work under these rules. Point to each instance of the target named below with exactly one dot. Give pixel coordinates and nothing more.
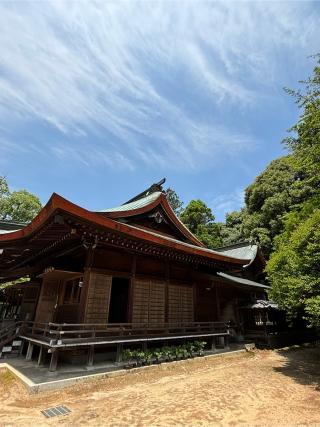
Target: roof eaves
(58, 203)
(242, 281)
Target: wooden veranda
(54, 338)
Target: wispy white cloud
(92, 71)
(225, 203)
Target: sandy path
(267, 388)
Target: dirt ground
(259, 389)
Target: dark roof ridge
(152, 189)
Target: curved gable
(150, 212)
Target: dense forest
(281, 211)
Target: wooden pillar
(166, 296)
(90, 356)
(226, 342)
(195, 304)
(85, 286)
(53, 361)
(119, 353)
(217, 302)
(131, 285)
(42, 355)
(21, 347)
(213, 344)
(29, 351)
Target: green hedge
(164, 353)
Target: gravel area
(262, 388)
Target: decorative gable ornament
(158, 217)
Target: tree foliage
(274, 193)
(232, 230)
(294, 267)
(174, 201)
(304, 141)
(20, 206)
(198, 217)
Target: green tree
(174, 201)
(274, 193)
(4, 193)
(20, 206)
(293, 268)
(304, 141)
(198, 217)
(232, 230)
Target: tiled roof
(242, 281)
(10, 226)
(140, 203)
(262, 304)
(203, 249)
(243, 250)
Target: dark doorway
(119, 300)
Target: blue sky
(100, 99)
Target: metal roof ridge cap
(114, 209)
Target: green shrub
(168, 352)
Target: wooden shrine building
(130, 274)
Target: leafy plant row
(166, 353)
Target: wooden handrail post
(46, 328)
(59, 335)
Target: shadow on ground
(302, 364)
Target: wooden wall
(148, 303)
(112, 260)
(149, 266)
(206, 309)
(67, 313)
(98, 298)
(180, 304)
(29, 301)
(47, 300)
